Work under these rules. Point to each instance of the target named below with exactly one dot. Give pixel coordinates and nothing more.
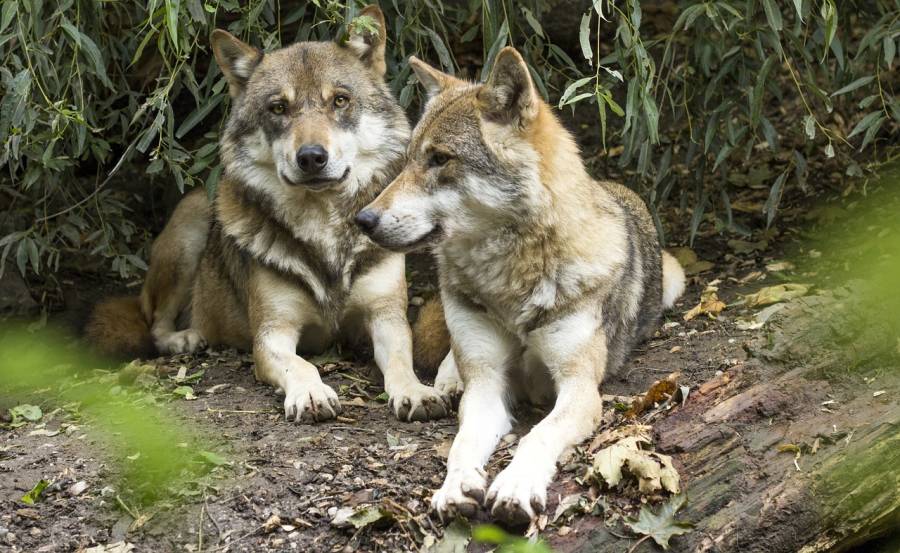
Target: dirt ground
(304, 474)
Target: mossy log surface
(798, 449)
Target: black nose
(312, 159)
(367, 220)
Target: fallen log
(796, 450)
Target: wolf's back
(118, 328)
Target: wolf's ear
(434, 80)
(509, 95)
(236, 59)
(368, 43)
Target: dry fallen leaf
(780, 266)
(118, 547)
(659, 391)
(662, 526)
(689, 261)
(710, 304)
(654, 471)
(775, 294)
(760, 318)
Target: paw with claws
(311, 402)
(517, 496)
(183, 341)
(461, 494)
(451, 387)
(418, 402)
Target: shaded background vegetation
(110, 109)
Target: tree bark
(796, 450)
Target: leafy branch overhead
(104, 107)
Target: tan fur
(548, 278)
(277, 264)
(431, 339)
(117, 328)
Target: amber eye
(277, 108)
(438, 159)
(341, 101)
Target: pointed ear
(434, 80)
(509, 95)
(367, 41)
(236, 59)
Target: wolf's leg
(174, 259)
(392, 344)
(380, 294)
(574, 351)
(448, 381)
(278, 312)
(483, 352)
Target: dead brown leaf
(775, 294)
(710, 304)
(659, 391)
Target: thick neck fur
(543, 258)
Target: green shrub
(96, 90)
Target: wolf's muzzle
(312, 159)
(367, 220)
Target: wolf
(548, 278)
(276, 260)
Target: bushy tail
(673, 280)
(117, 328)
(431, 339)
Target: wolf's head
(476, 161)
(311, 116)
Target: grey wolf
(276, 261)
(548, 278)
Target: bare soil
(305, 473)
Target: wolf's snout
(367, 220)
(312, 159)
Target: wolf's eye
(438, 159)
(277, 108)
(341, 101)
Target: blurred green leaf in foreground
(152, 448)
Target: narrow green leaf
(7, 13)
(172, 22)
(858, 83)
(584, 37)
(798, 5)
(198, 115)
(499, 42)
(890, 49)
(534, 23)
(865, 123)
(759, 91)
(872, 131)
(773, 15)
(442, 52)
(775, 193)
(829, 16)
(572, 88)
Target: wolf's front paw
(517, 496)
(418, 402)
(311, 402)
(451, 387)
(461, 494)
(183, 341)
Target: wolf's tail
(118, 328)
(673, 280)
(431, 339)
